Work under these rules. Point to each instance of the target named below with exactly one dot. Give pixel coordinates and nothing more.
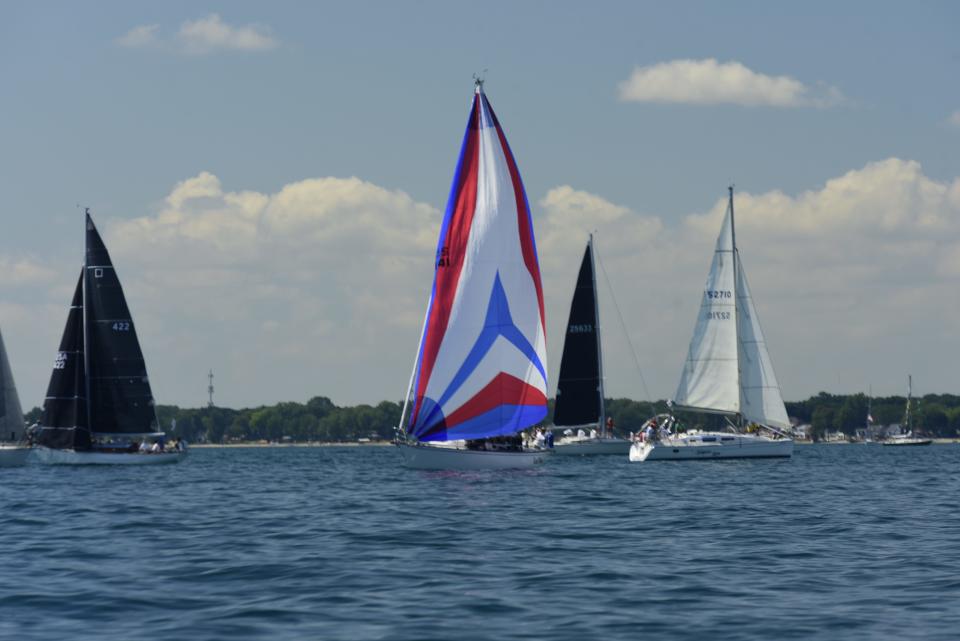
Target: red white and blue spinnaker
(481, 368)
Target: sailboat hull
(13, 455)
(907, 442)
(50, 456)
(430, 457)
(592, 447)
(711, 446)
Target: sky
(270, 179)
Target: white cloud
(710, 82)
(212, 34)
(954, 118)
(142, 36)
(855, 280)
(320, 286)
(325, 276)
(205, 35)
(18, 272)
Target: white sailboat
(728, 372)
(580, 402)
(13, 450)
(480, 375)
(907, 438)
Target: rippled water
(842, 542)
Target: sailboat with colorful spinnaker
(480, 374)
(99, 406)
(728, 372)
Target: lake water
(841, 542)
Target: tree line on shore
(319, 419)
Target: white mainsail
(728, 369)
(710, 380)
(760, 393)
(11, 415)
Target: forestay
(481, 365)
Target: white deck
(711, 445)
(444, 457)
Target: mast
(210, 389)
(907, 417)
(86, 336)
(596, 327)
(736, 306)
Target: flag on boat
(481, 367)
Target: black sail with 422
(99, 383)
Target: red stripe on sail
(504, 389)
(455, 246)
(524, 221)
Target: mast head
(478, 80)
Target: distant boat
(580, 398)
(907, 438)
(728, 372)
(99, 407)
(480, 374)
(13, 450)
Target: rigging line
(623, 326)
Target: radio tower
(210, 389)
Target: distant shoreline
(936, 441)
(309, 444)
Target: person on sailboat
(538, 438)
(649, 434)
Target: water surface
(841, 542)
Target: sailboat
(99, 407)
(728, 372)
(480, 374)
(580, 400)
(13, 450)
(907, 437)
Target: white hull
(716, 446)
(71, 457)
(592, 447)
(429, 457)
(905, 442)
(13, 455)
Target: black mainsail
(99, 384)
(580, 386)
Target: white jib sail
(761, 401)
(11, 415)
(710, 378)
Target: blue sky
(380, 91)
